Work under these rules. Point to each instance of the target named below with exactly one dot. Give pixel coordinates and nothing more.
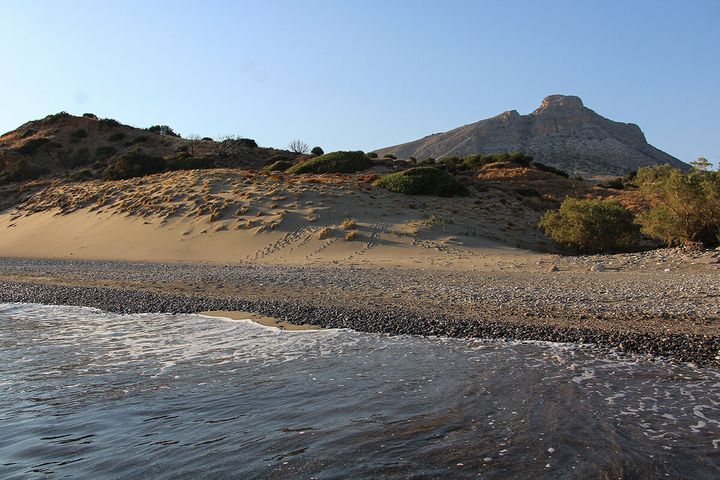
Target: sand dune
(237, 216)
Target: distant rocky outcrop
(562, 133)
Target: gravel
(673, 315)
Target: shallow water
(88, 394)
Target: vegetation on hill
(423, 181)
(136, 163)
(686, 204)
(278, 166)
(591, 226)
(334, 162)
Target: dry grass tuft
(348, 224)
(351, 235)
(325, 233)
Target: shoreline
(701, 349)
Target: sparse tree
(194, 138)
(702, 164)
(298, 146)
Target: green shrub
(372, 155)
(317, 151)
(614, 183)
(79, 158)
(117, 136)
(389, 156)
(22, 170)
(133, 163)
(550, 169)
(279, 166)
(81, 175)
(140, 139)
(28, 133)
(189, 163)
(105, 151)
(334, 162)
(31, 146)
(163, 130)
(423, 181)
(591, 226)
(686, 205)
(108, 123)
(79, 133)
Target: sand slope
(237, 216)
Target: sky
(349, 75)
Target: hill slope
(562, 133)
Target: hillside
(562, 132)
(83, 147)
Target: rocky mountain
(562, 133)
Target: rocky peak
(560, 102)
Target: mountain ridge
(561, 132)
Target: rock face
(562, 133)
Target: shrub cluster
(136, 163)
(31, 146)
(163, 130)
(591, 226)
(686, 204)
(423, 181)
(334, 162)
(278, 166)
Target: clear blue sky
(363, 74)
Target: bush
(109, 123)
(81, 175)
(423, 181)
(614, 183)
(686, 205)
(105, 151)
(22, 170)
(133, 163)
(32, 145)
(389, 156)
(79, 133)
(207, 139)
(28, 133)
(278, 166)
(372, 155)
(189, 163)
(550, 169)
(116, 137)
(317, 151)
(79, 158)
(163, 130)
(335, 162)
(591, 226)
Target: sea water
(90, 394)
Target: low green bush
(334, 162)
(372, 155)
(591, 226)
(31, 146)
(105, 151)
(317, 151)
(278, 166)
(686, 205)
(423, 181)
(133, 163)
(163, 130)
(550, 169)
(189, 163)
(117, 136)
(79, 133)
